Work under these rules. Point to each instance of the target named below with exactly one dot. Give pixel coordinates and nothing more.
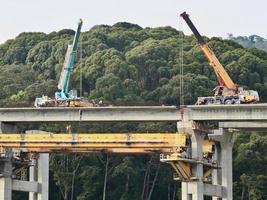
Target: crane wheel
(235, 101)
(228, 101)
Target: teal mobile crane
(63, 96)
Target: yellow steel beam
(94, 142)
(171, 145)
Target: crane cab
(248, 96)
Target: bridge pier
(220, 187)
(37, 186)
(6, 165)
(224, 176)
(193, 190)
(6, 178)
(197, 170)
(224, 154)
(40, 173)
(217, 174)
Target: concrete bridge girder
(98, 114)
(254, 112)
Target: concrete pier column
(216, 173)
(185, 192)
(40, 173)
(43, 176)
(6, 166)
(197, 153)
(225, 175)
(226, 162)
(6, 180)
(33, 177)
(196, 188)
(193, 190)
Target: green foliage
(108, 87)
(250, 166)
(15, 78)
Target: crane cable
(81, 56)
(75, 153)
(181, 78)
(181, 62)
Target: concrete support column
(33, 176)
(43, 176)
(225, 175)
(193, 190)
(227, 165)
(6, 166)
(197, 152)
(6, 180)
(185, 192)
(216, 173)
(40, 173)
(196, 188)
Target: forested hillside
(253, 41)
(126, 64)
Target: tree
(108, 87)
(64, 172)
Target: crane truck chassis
(227, 97)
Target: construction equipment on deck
(63, 96)
(227, 92)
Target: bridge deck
(251, 112)
(248, 112)
(133, 113)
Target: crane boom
(63, 96)
(63, 84)
(222, 76)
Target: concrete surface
(244, 112)
(251, 112)
(133, 113)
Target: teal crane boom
(64, 96)
(63, 92)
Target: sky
(211, 17)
